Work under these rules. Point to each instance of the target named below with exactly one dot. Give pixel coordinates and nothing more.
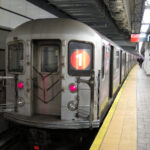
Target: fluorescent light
(144, 28)
(146, 18)
(147, 2)
(142, 35)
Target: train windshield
(15, 57)
(80, 58)
(49, 58)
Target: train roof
(57, 26)
(54, 26)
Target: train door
(127, 59)
(46, 77)
(104, 95)
(129, 62)
(121, 66)
(111, 72)
(116, 69)
(125, 65)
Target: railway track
(9, 139)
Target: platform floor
(127, 125)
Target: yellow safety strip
(99, 138)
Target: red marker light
(36, 147)
(20, 85)
(72, 88)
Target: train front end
(52, 76)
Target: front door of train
(111, 72)
(46, 77)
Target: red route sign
(135, 38)
(80, 59)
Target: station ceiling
(116, 19)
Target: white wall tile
(21, 7)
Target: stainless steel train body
(64, 73)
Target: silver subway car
(65, 74)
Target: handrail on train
(91, 83)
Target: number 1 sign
(80, 59)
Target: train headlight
(72, 87)
(20, 85)
(20, 102)
(72, 106)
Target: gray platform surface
(143, 110)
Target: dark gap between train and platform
(43, 139)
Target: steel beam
(50, 8)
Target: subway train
(62, 74)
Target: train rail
(9, 139)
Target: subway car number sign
(80, 59)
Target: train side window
(15, 57)
(49, 58)
(103, 61)
(80, 58)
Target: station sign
(138, 38)
(134, 38)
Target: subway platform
(127, 125)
